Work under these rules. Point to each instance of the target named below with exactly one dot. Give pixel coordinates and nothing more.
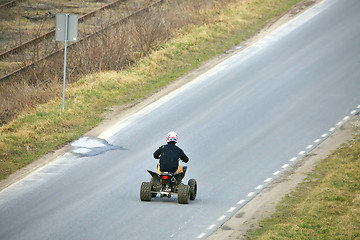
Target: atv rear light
(165, 177)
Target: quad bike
(166, 184)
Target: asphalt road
(241, 124)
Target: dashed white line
(259, 187)
(358, 106)
(346, 118)
(285, 166)
(201, 235)
(250, 194)
(211, 226)
(317, 140)
(353, 112)
(241, 201)
(221, 218)
(231, 209)
(268, 179)
(301, 153)
(324, 135)
(276, 173)
(338, 124)
(331, 129)
(293, 159)
(310, 146)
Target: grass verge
(325, 206)
(35, 133)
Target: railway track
(52, 32)
(44, 47)
(9, 4)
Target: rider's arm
(183, 156)
(157, 153)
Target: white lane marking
(231, 209)
(221, 218)
(317, 140)
(301, 153)
(358, 106)
(201, 235)
(346, 118)
(338, 124)
(310, 146)
(276, 173)
(285, 166)
(293, 159)
(331, 129)
(211, 226)
(324, 135)
(353, 112)
(241, 201)
(250, 194)
(259, 186)
(268, 179)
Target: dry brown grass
(113, 49)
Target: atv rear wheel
(183, 194)
(193, 188)
(153, 195)
(145, 191)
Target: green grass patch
(44, 129)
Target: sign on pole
(66, 30)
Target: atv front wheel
(145, 191)
(184, 194)
(193, 188)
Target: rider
(170, 154)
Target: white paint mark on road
(268, 179)
(259, 187)
(221, 218)
(293, 159)
(231, 209)
(241, 201)
(285, 166)
(276, 173)
(201, 235)
(211, 226)
(250, 194)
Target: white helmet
(171, 137)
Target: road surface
(241, 123)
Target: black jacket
(169, 156)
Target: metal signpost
(66, 30)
